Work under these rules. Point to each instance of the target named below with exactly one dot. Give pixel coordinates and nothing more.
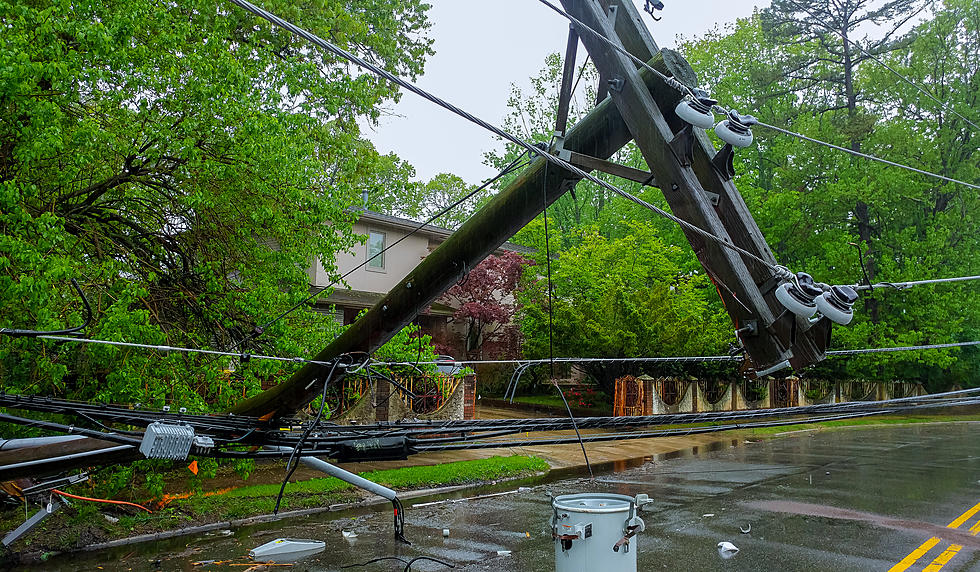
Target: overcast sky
(481, 48)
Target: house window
(375, 246)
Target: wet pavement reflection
(853, 499)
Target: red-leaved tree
(485, 304)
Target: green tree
(185, 163)
(623, 297)
(808, 199)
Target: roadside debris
(286, 550)
(745, 529)
(727, 550)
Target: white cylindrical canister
(596, 531)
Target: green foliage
(185, 163)
(812, 202)
(626, 297)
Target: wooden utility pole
(696, 184)
(640, 107)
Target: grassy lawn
(260, 499)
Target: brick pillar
(648, 389)
(382, 394)
(469, 396)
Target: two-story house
(371, 282)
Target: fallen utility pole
(599, 134)
(696, 182)
(639, 108)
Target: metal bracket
(751, 328)
(56, 484)
(724, 162)
(683, 145)
(616, 84)
(53, 505)
(559, 150)
(567, 76)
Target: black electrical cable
(13, 332)
(429, 558)
(290, 465)
(373, 560)
(513, 166)
(399, 511)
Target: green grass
(455, 473)
(260, 499)
(555, 401)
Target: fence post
(382, 395)
(469, 396)
(648, 390)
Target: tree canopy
(185, 163)
(809, 67)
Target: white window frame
(367, 251)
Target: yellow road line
(943, 558)
(915, 555)
(964, 517)
(926, 546)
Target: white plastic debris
(286, 549)
(727, 550)
(349, 534)
(745, 529)
(445, 533)
(503, 553)
(707, 515)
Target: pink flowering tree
(485, 304)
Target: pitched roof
(433, 231)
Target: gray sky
(484, 47)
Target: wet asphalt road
(854, 499)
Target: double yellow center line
(928, 545)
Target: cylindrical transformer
(596, 531)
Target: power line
(898, 74)
(316, 40)
(520, 362)
(902, 349)
(165, 348)
(906, 285)
(674, 83)
(867, 156)
(513, 166)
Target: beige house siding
(366, 285)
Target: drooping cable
(430, 559)
(16, 333)
(866, 156)
(290, 464)
(672, 82)
(578, 435)
(510, 168)
(551, 320)
(551, 158)
(547, 254)
(399, 512)
(105, 501)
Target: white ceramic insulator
(685, 111)
(728, 136)
(792, 304)
(836, 315)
